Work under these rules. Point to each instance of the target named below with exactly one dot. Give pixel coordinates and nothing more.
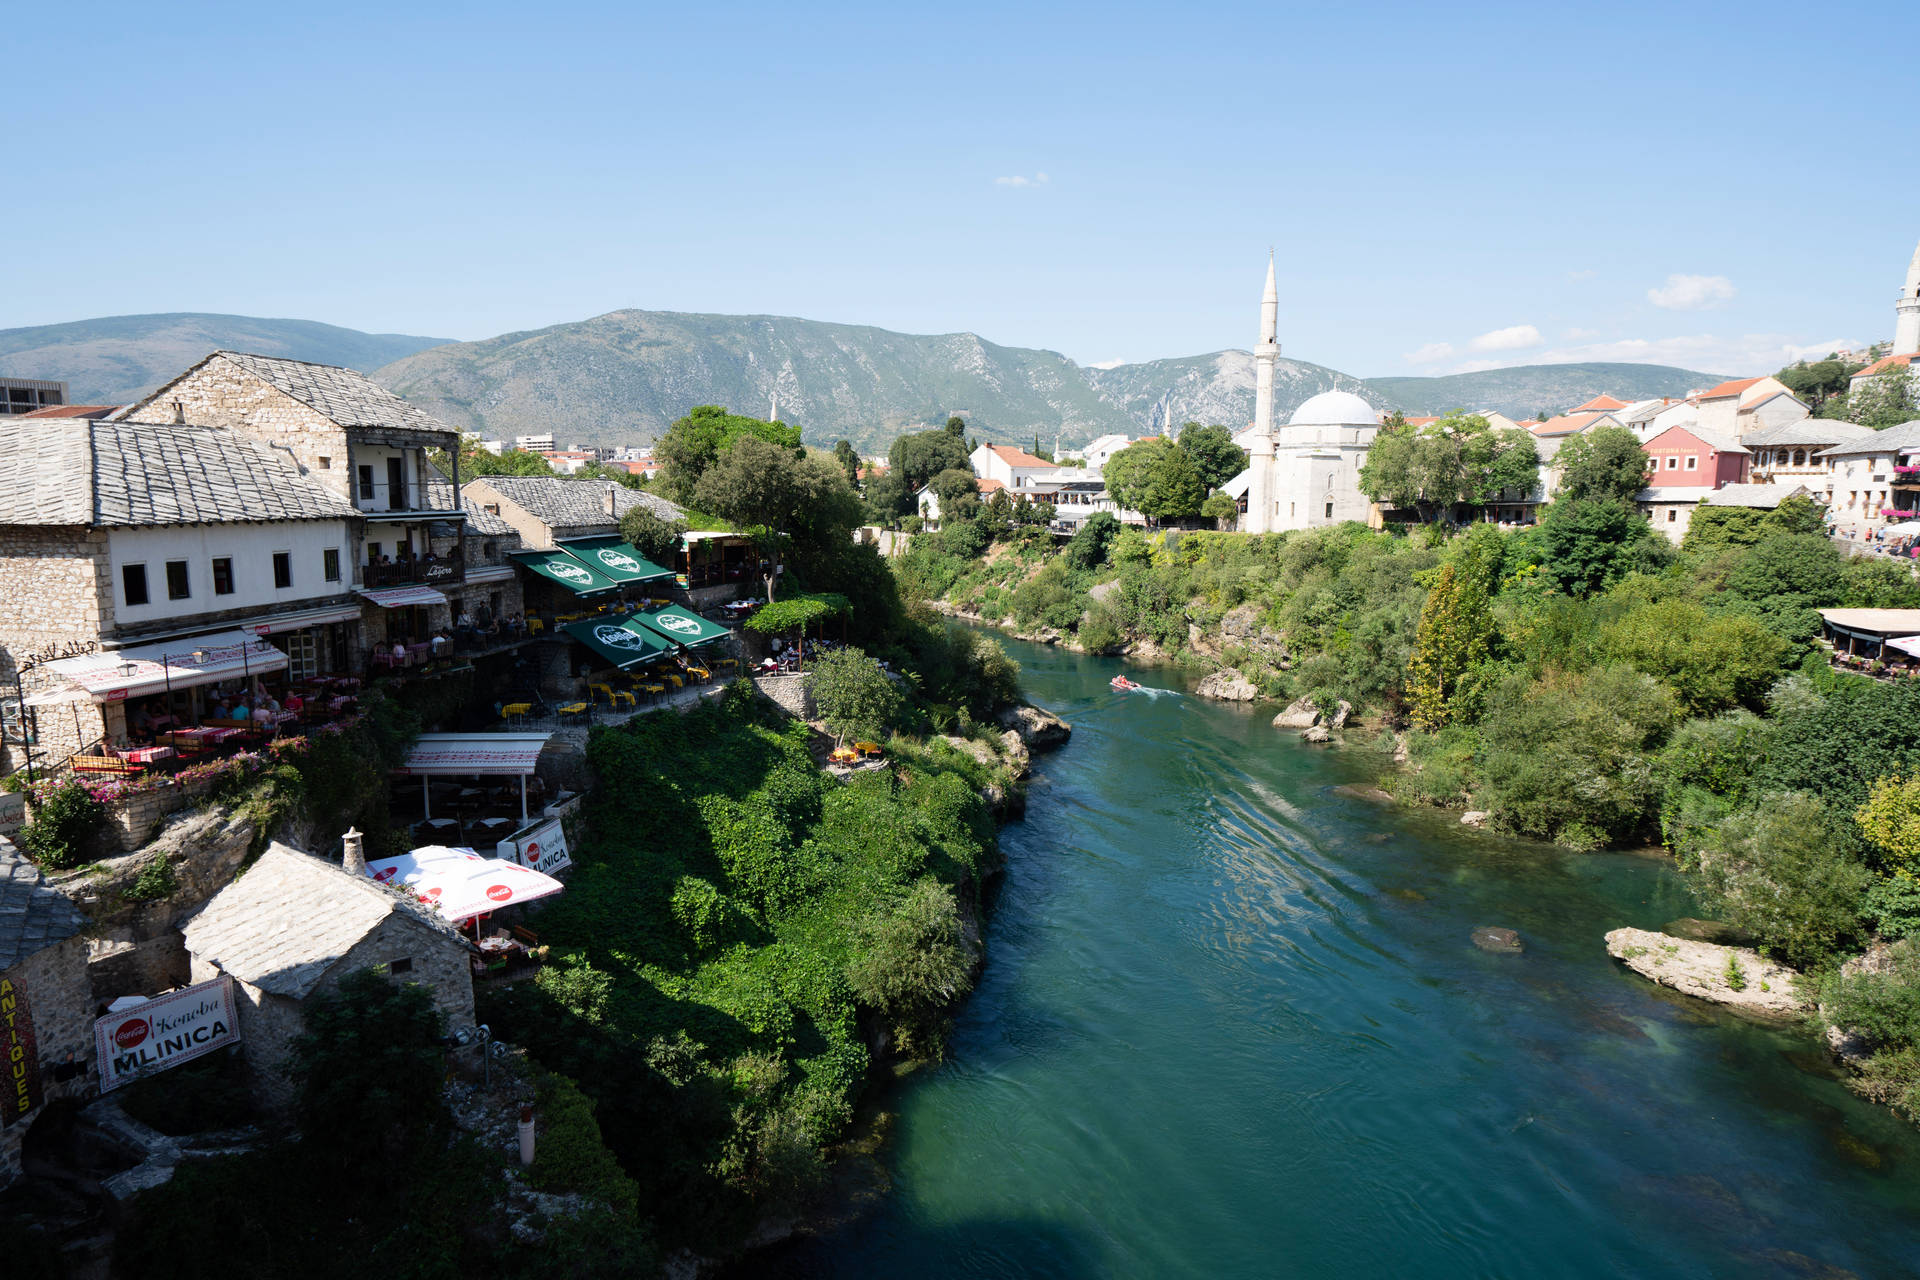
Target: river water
(1232, 1024)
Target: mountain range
(625, 375)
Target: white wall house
(1008, 465)
(1099, 452)
(172, 573)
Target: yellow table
(517, 710)
(624, 696)
(578, 710)
(673, 679)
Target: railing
(444, 569)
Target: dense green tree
(1128, 472)
(1156, 478)
(475, 461)
(919, 457)
(1221, 508)
(914, 964)
(693, 445)
(778, 494)
(1460, 458)
(1869, 582)
(1216, 458)
(1783, 579)
(1887, 399)
(849, 461)
(957, 428)
(888, 499)
(371, 1050)
(1087, 549)
(1590, 545)
(601, 471)
(1817, 382)
(854, 696)
(1889, 819)
(1837, 745)
(654, 536)
(1712, 662)
(1604, 464)
(1774, 871)
(1455, 627)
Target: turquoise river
(1232, 1025)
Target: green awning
(558, 566)
(618, 643)
(680, 626)
(614, 558)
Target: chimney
(353, 855)
(612, 501)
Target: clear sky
(1447, 186)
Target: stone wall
(59, 1003)
(790, 692)
(534, 533)
(55, 588)
(221, 394)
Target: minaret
(1261, 514)
(1906, 323)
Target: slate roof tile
(33, 914)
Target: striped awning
(400, 597)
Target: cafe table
(147, 755)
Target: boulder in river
(1498, 940)
(1227, 685)
(1738, 977)
(1040, 730)
(1317, 734)
(1476, 818)
(1301, 713)
(1340, 714)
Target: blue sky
(1713, 185)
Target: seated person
(295, 703)
(239, 710)
(441, 642)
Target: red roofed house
(1599, 404)
(1684, 465)
(1007, 464)
(1572, 424)
(1905, 360)
(1718, 408)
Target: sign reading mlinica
(544, 848)
(165, 1032)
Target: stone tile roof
(1825, 431)
(562, 503)
(291, 917)
(1890, 440)
(120, 474)
(347, 398)
(33, 914)
(1765, 497)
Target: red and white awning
(496, 754)
(459, 883)
(171, 664)
(400, 597)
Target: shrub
(1893, 906)
(1882, 1006)
(571, 1155)
(855, 697)
(1712, 663)
(65, 819)
(155, 881)
(371, 1051)
(1772, 870)
(1100, 629)
(914, 964)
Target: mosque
(1305, 474)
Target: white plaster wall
(250, 546)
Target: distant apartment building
(24, 395)
(535, 444)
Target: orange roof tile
(1566, 424)
(1014, 457)
(990, 485)
(1878, 366)
(72, 411)
(1725, 389)
(1602, 403)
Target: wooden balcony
(443, 571)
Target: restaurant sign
(544, 848)
(19, 1060)
(165, 1032)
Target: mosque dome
(1335, 409)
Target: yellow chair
(700, 672)
(577, 710)
(673, 679)
(657, 690)
(602, 690)
(535, 626)
(624, 696)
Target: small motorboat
(1121, 682)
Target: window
(396, 484)
(1329, 511)
(492, 552)
(1673, 462)
(223, 576)
(1799, 457)
(133, 582)
(1673, 515)
(330, 564)
(282, 570)
(1693, 462)
(401, 966)
(373, 553)
(177, 580)
(326, 463)
(366, 483)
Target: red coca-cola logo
(499, 892)
(533, 852)
(131, 1032)
(385, 874)
(429, 895)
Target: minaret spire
(1906, 321)
(1270, 307)
(1262, 502)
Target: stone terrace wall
(222, 394)
(60, 1004)
(789, 691)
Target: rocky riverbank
(1737, 977)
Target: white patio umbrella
(459, 883)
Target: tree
(1885, 400)
(1174, 489)
(1127, 472)
(1590, 545)
(1216, 458)
(849, 461)
(693, 444)
(778, 494)
(888, 498)
(1455, 627)
(1818, 382)
(1457, 459)
(919, 457)
(601, 471)
(1890, 821)
(370, 1069)
(854, 696)
(1712, 662)
(654, 536)
(1783, 579)
(1606, 464)
(1087, 549)
(475, 461)
(957, 428)
(1773, 871)
(1221, 508)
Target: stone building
(46, 1003)
(294, 925)
(546, 510)
(140, 540)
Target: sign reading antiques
(19, 1060)
(544, 848)
(165, 1032)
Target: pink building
(1694, 457)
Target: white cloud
(1431, 352)
(1020, 180)
(1515, 337)
(1691, 293)
(1586, 273)
(1743, 355)
(1106, 364)
(1575, 335)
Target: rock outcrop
(1500, 941)
(1301, 713)
(1318, 734)
(1738, 977)
(1227, 685)
(1475, 818)
(1040, 730)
